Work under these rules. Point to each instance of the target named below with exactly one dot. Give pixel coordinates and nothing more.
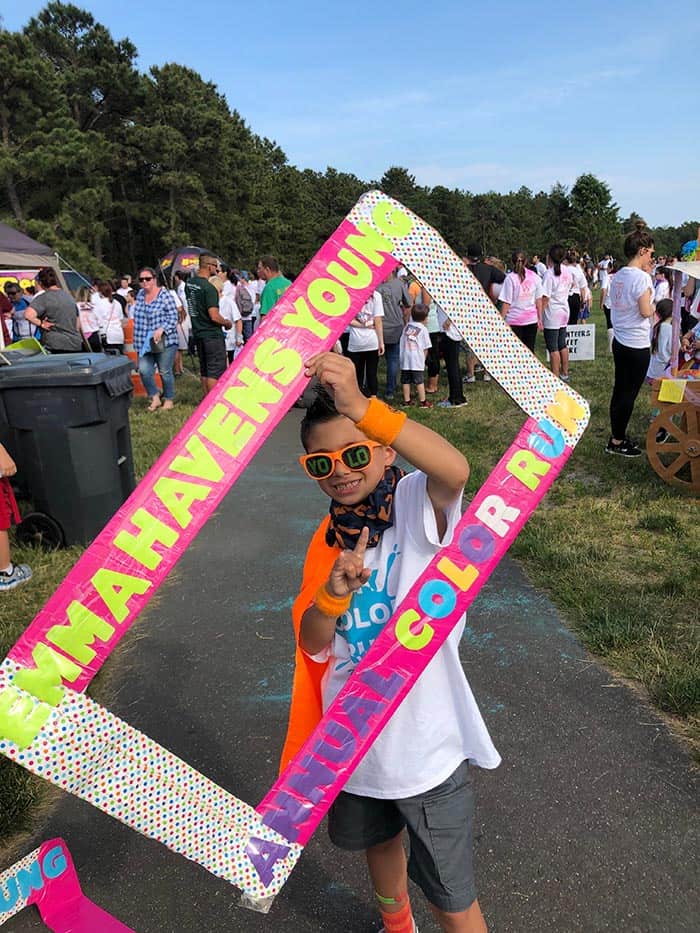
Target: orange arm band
(331, 606)
(381, 423)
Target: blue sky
(487, 97)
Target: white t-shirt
(415, 340)
(557, 289)
(228, 309)
(363, 339)
(579, 284)
(521, 296)
(182, 295)
(541, 269)
(438, 724)
(661, 356)
(254, 297)
(661, 291)
(451, 331)
(109, 316)
(627, 287)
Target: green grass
(21, 793)
(614, 546)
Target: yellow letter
(21, 719)
(302, 318)
(178, 495)
(405, 635)
(461, 578)
(117, 589)
(44, 681)
(363, 273)
(82, 629)
(566, 411)
(201, 466)
(253, 395)
(333, 307)
(369, 244)
(526, 467)
(275, 360)
(227, 430)
(140, 546)
(391, 220)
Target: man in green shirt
(275, 284)
(203, 307)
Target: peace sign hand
(349, 573)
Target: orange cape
(306, 708)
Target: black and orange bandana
(374, 512)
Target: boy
(383, 529)
(414, 346)
(11, 575)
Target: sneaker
(626, 449)
(564, 377)
(426, 404)
(446, 403)
(469, 379)
(10, 579)
(662, 436)
(487, 378)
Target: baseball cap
(474, 252)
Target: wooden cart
(676, 458)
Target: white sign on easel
(580, 339)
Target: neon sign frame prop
(40, 703)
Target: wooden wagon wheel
(677, 461)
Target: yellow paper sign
(671, 390)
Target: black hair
(47, 277)
(664, 310)
(321, 410)
(519, 260)
(419, 313)
(556, 254)
(640, 238)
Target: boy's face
(346, 485)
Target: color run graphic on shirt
(49, 727)
(370, 610)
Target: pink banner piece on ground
(47, 878)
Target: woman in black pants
(631, 310)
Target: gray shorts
(440, 832)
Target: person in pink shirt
(521, 300)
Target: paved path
(589, 825)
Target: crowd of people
(214, 311)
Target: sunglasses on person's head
(357, 456)
(145, 278)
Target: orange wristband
(331, 606)
(381, 423)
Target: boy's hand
(349, 572)
(337, 374)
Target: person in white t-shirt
(662, 285)
(631, 310)
(578, 286)
(228, 309)
(383, 530)
(555, 310)
(603, 274)
(413, 351)
(366, 342)
(521, 300)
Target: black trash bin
(65, 420)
